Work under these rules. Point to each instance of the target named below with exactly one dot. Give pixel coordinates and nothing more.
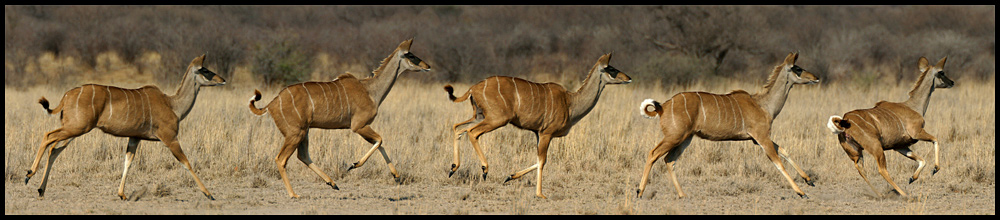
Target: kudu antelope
(892, 125)
(345, 102)
(546, 109)
(140, 114)
(731, 117)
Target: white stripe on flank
(294, 108)
(340, 116)
(517, 94)
(281, 109)
(686, 107)
(322, 86)
(672, 120)
(500, 93)
(743, 122)
(111, 105)
(717, 108)
(312, 105)
(78, 94)
(149, 120)
(93, 93)
(126, 105)
(701, 103)
(486, 102)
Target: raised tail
(650, 108)
(45, 104)
(837, 124)
(451, 94)
(255, 98)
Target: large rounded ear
(197, 62)
(405, 45)
(791, 58)
(922, 64)
(940, 64)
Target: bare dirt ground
(377, 197)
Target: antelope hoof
(30, 174)
(804, 196)
(355, 165)
(453, 169)
(41, 192)
(210, 197)
(810, 183)
(509, 178)
(332, 185)
(484, 176)
(936, 168)
(912, 179)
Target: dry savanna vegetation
(862, 54)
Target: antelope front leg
(784, 155)
(459, 129)
(771, 151)
(920, 162)
(924, 136)
(175, 148)
(372, 137)
(133, 144)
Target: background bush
(673, 44)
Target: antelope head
(202, 75)
(609, 74)
(408, 61)
(795, 73)
(940, 79)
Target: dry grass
(604, 152)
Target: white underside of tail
(833, 127)
(642, 107)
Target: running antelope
(731, 117)
(546, 109)
(140, 114)
(345, 102)
(892, 125)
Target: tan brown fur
(892, 126)
(345, 102)
(727, 117)
(140, 114)
(546, 109)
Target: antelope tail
(255, 98)
(451, 94)
(650, 108)
(45, 104)
(837, 124)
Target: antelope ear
(791, 58)
(198, 61)
(922, 64)
(940, 64)
(605, 59)
(405, 45)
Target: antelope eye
(208, 74)
(797, 70)
(413, 58)
(611, 71)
